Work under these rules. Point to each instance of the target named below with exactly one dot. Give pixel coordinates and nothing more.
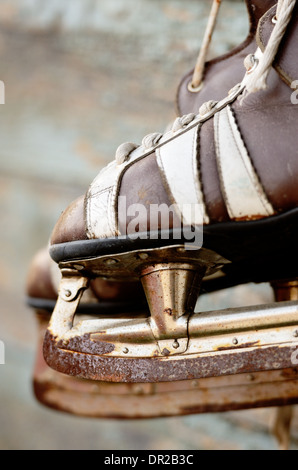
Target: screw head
(143, 256)
(111, 261)
(79, 267)
(67, 293)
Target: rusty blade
(97, 399)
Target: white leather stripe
(177, 161)
(100, 222)
(102, 199)
(241, 187)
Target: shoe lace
(197, 79)
(255, 81)
(258, 80)
(195, 85)
(151, 140)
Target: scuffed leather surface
(209, 174)
(257, 9)
(39, 281)
(142, 184)
(268, 123)
(243, 193)
(219, 78)
(71, 224)
(225, 71)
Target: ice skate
(95, 399)
(226, 181)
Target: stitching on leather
(85, 212)
(260, 29)
(192, 155)
(240, 153)
(196, 152)
(111, 229)
(261, 44)
(287, 79)
(163, 176)
(90, 225)
(99, 192)
(284, 74)
(244, 163)
(219, 165)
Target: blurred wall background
(81, 77)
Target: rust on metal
(125, 401)
(84, 345)
(163, 369)
(243, 346)
(168, 347)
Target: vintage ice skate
(236, 161)
(97, 399)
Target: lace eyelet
(274, 19)
(251, 63)
(192, 89)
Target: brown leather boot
(212, 80)
(215, 196)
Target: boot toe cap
(71, 224)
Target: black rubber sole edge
(259, 251)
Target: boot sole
(258, 251)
